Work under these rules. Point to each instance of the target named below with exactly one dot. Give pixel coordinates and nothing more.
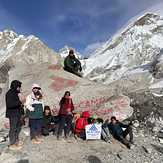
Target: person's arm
(123, 125)
(72, 107)
(79, 64)
(28, 103)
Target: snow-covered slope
(137, 45)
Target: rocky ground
(147, 149)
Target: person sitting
(72, 64)
(49, 122)
(116, 130)
(80, 125)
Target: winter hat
(85, 114)
(35, 86)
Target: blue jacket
(116, 129)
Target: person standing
(34, 105)
(14, 111)
(65, 115)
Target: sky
(81, 24)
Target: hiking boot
(35, 141)
(14, 147)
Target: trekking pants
(35, 126)
(126, 132)
(65, 123)
(15, 128)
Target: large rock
(29, 60)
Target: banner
(93, 131)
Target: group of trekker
(42, 122)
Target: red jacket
(66, 106)
(81, 123)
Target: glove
(31, 108)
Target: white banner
(93, 131)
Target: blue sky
(81, 24)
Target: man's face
(71, 54)
(113, 121)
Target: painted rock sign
(60, 83)
(104, 107)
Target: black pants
(129, 132)
(65, 123)
(15, 128)
(75, 71)
(35, 126)
(47, 129)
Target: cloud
(158, 8)
(90, 49)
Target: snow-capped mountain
(30, 48)
(137, 45)
(65, 51)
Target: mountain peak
(8, 34)
(146, 19)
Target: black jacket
(13, 104)
(48, 120)
(72, 63)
